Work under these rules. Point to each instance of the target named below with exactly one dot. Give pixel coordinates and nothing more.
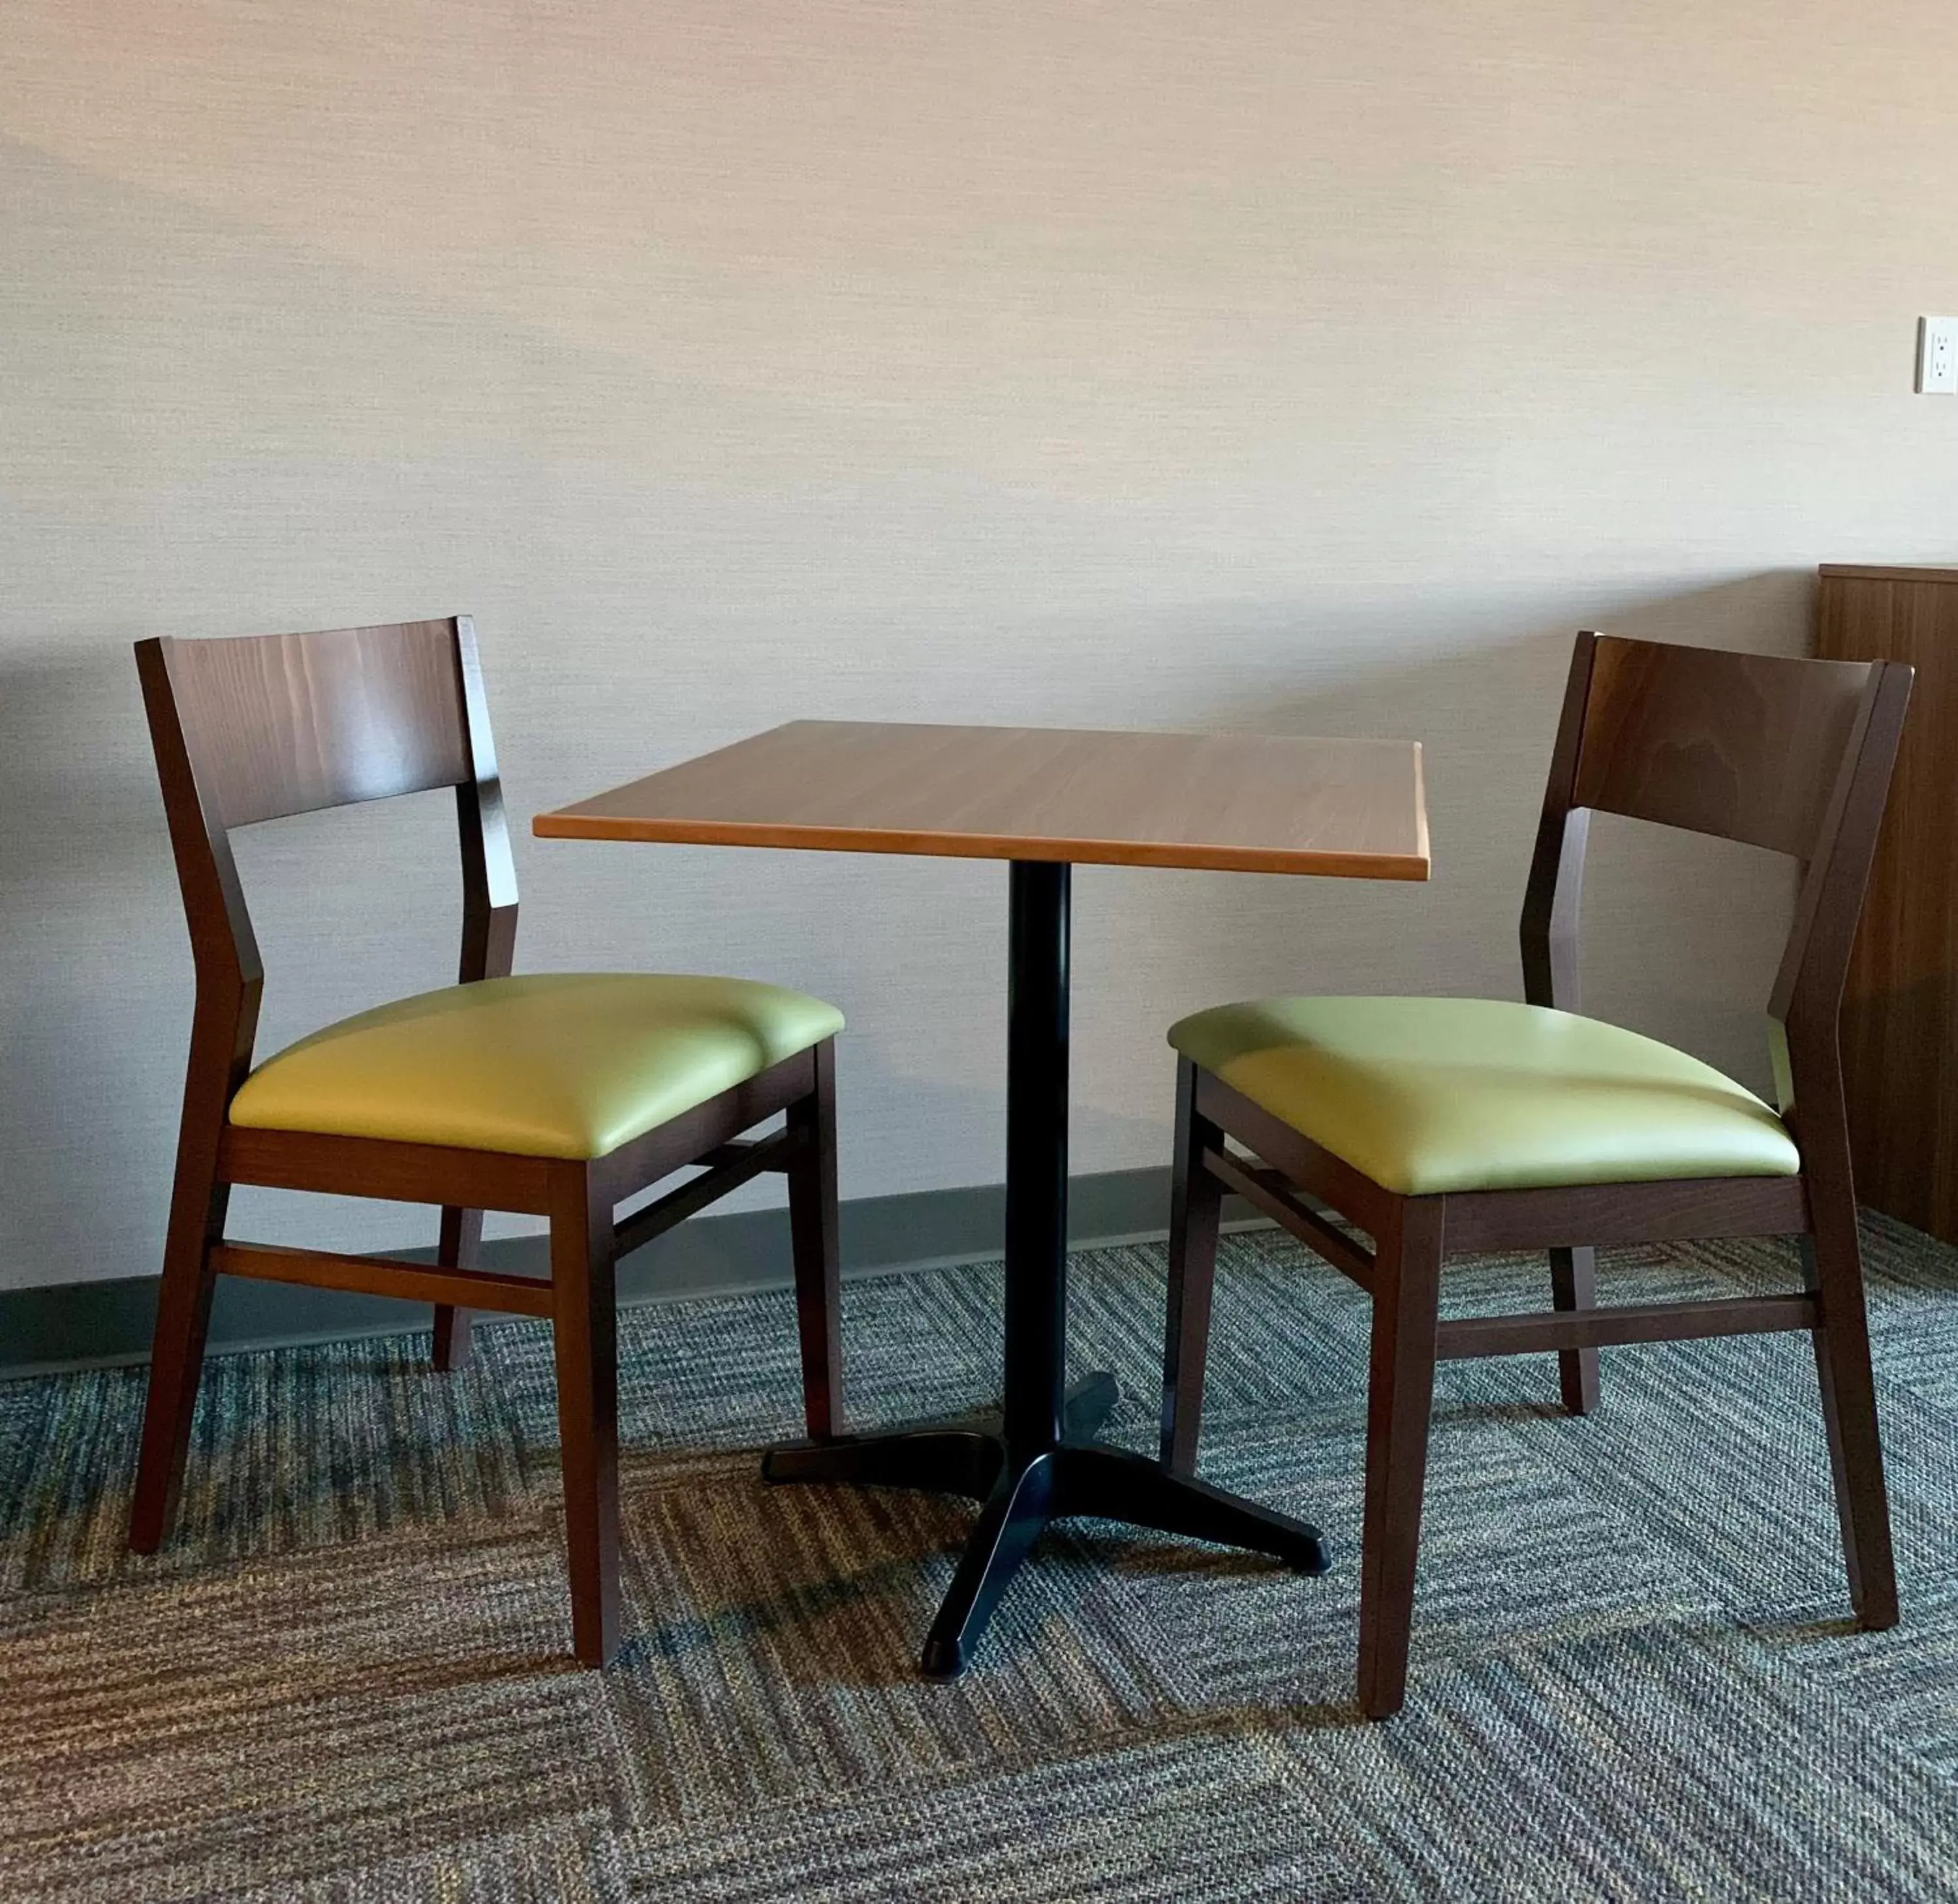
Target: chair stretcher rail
(1625, 1323)
(384, 1276)
(1268, 1190)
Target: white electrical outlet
(1937, 356)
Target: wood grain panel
(1251, 803)
(1866, 572)
(1744, 746)
(289, 723)
(1900, 1007)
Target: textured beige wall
(1289, 365)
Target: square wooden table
(1043, 800)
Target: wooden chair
(1466, 1124)
(563, 1095)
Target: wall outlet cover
(1937, 356)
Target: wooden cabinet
(1900, 1011)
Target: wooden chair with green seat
(1433, 1124)
(563, 1095)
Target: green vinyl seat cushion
(552, 1064)
(1430, 1096)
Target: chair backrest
(1748, 747)
(289, 723)
(258, 727)
(1790, 755)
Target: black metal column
(1036, 1157)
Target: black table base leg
(1088, 1404)
(1080, 1477)
(962, 1457)
(939, 1460)
(1115, 1484)
(1010, 1523)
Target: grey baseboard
(98, 1324)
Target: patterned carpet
(345, 1678)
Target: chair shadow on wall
(85, 852)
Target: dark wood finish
(382, 1276)
(1400, 1396)
(1271, 1192)
(585, 1339)
(1353, 1195)
(198, 1202)
(290, 723)
(252, 729)
(1243, 802)
(407, 1173)
(814, 1220)
(1848, 1391)
(1690, 1209)
(1795, 755)
(1573, 1286)
(488, 947)
(774, 1156)
(1552, 903)
(458, 1244)
(1553, 897)
(1744, 746)
(1196, 1204)
(694, 1135)
(1879, 572)
(664, 1213)
(1620, 1323)
(1900, 1004)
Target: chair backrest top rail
(1745, 747)
(281, 724)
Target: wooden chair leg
(1573, 1284)
(461, 1242)
(813, 1240)
(1400, 1396)
(1833, 1259)
(585, 1331)
(198, 1206)
(1197, 1201)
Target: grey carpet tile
(1904, 1682)
(275, 1723)
(297, 1447)
(570, 1865)
(1642, 1766)
(346, 1677)
(579, 1862)
(1715, 1449)
(1287, 1333)
(1903, 1264)
(1199, 1817)
(1917, 1346)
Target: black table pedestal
(1041, 1461)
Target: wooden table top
(1235, 802)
